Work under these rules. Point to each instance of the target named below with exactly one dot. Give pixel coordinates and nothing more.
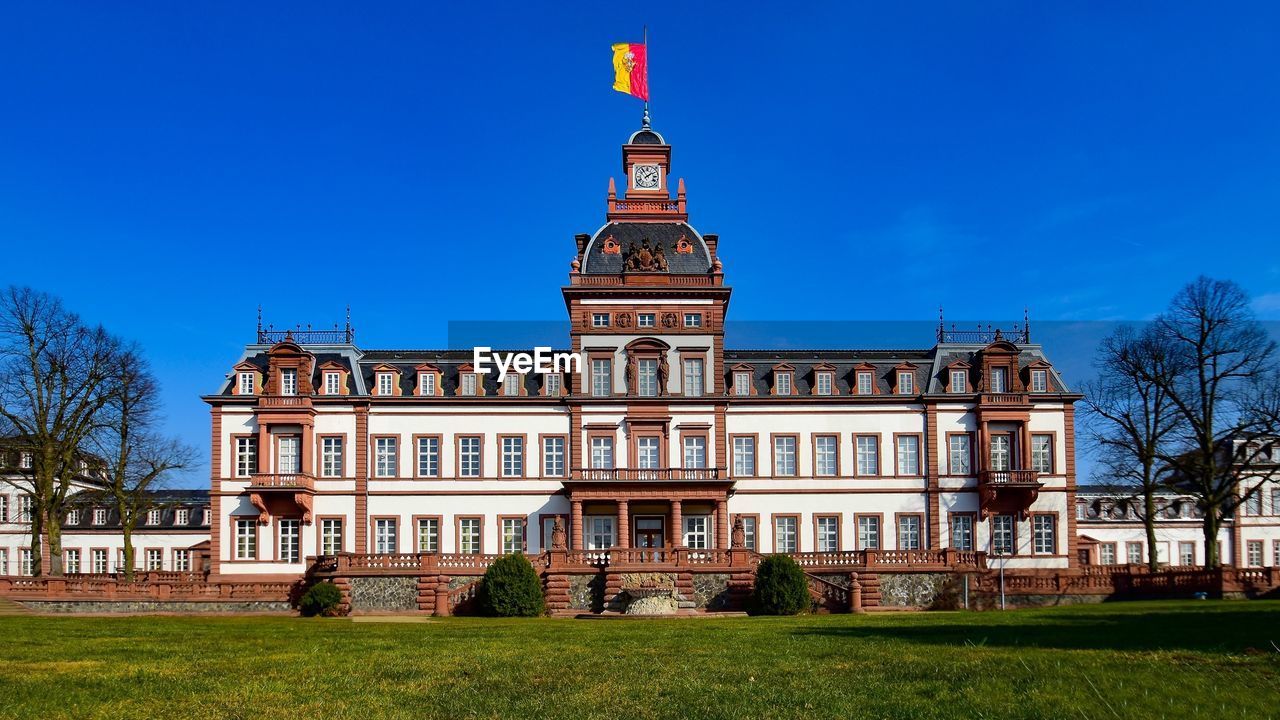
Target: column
(576, 520)
(307, 451)
(624, 524)
(677, 524)
(264, 448)
(722, 524)
(1024, 447)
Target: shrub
(511, 588)
(322, 599)
(781, 588)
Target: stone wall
(711, 591)
(586, 592)
(148, 606)
(931, 591)
(399, 594)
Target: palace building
(662, 438)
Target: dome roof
(683, 248)
(646, 136)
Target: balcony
(1011, 477)
(1004, 398)
(284, 401)
(649, 475)
(1007, 492)
(291, 482)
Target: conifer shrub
(781, 588)
(322, 599)
(511, 588)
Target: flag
(631, 69)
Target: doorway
(650, 532)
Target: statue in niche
(662, 374)
(557, 534)
(739, 537)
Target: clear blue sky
(166, 167)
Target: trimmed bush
(322, 599)
(511, 588)
(781, 588)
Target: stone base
(149, 606)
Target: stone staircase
(11, 608)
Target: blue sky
(166, 167)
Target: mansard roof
(166, 501)
(667, 234)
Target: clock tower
(646, 160)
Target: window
(601, 377)
(868, 455)
(289, 381)
(153, 517)
(602, 453)
(1275, 552)
(908, 454)
(784, 456)
(182, 560)
(1042, 453)
(288, 461)
(1039, 381)
(247, 539)
(154, 559)
(428, 535)
(428, 457)
(290, 539)
(600, 320)
(1275, 508)
(785, 538)
(959, 454)
(469, 384)
(742, 384)
(4, 508)
(1000, 452)
(551, 383)
(511, 384)
(73, 516)
(749, 532)
(4, 561)
(331, 457)
(427, 384)
(744, 456)
(599, 532)
(647, 377)
(1186, 553)
(26, 566)
(99, 516)
(1043, 536)
(962, 532)
(553, 457)
(864, 382)
(1253, 553)
(908, 532)
(1002, 540)
(824, 455)
(693, 377)
(384, 535)
(512, 456)
(648, 453)
(386, 462)
(695, 452)
(782, 384)
(469, 536)
(868, 532)
(959, 381)
(827, 533)
(512, 535)
(24, 508)
(205, 514)
(26, 460)
(693, 320)
(182, 517)
(331, 536)
(246, 384)
(469, 456)
(906, 383)
(98, 561)
(1133, 553)
(1253, 504)
(331, 380)
(823, 385)
(386, 383)
(696, 531)
(999, 380)
(246, 456)
(72, 563)
(646, 320)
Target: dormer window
(552, 383)
(511, 384)
(693, 320)
(1039, 381)
(99, 516)
(469, 384)
(906, 383)
(742, 383)
(332, 382)
(386, 383)
(289, 381)
(959, 382)
(646, 320)
(865, 380)
(600, 320)
(73, 516)
(782, 383)
(823, 384)
(182, 517)
(427, 384)
(245, 385)
(26, 460)
(153, 517)
(206, 516)
(999, 380)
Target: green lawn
(1130, 660)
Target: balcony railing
(1004, 398)
(1010, 477)
(284, 401)
(281, 481)
(648, 475)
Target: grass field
(1133, 660)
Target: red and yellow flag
(631, 69)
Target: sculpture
(557, 534)
(662, 374)
(644, 258)
(739, 538)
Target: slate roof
(169, 501)
(634, 233)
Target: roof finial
(1026, 323)
(942, 330)
(259, 322)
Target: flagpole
(645, 122)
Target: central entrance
(650, 532)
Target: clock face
(647, 177)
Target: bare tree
(53, 370)
(1132, 418)
(1228, 373)
(136, 456)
